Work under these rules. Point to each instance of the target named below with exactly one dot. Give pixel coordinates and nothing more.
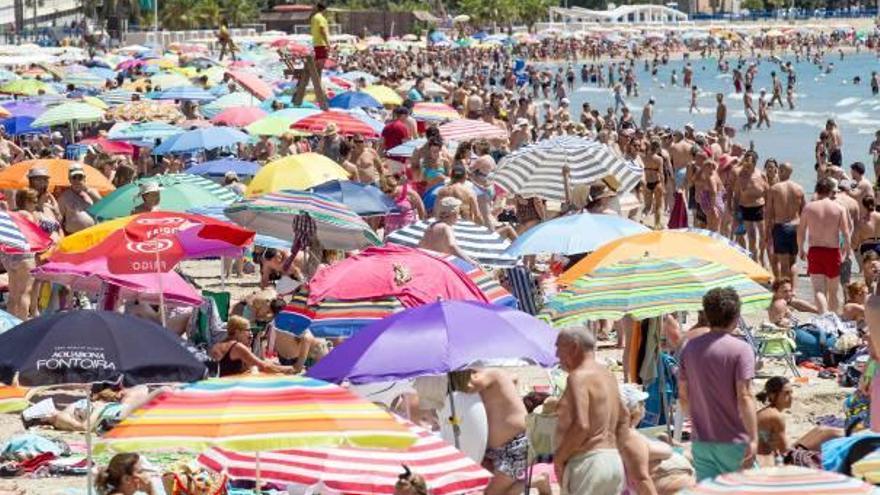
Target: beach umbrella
(406, 150)
(168, 80)
(333, 318)
(781, 480)
(451, 336)
(298, 172)
(4, 113)
(254, 413)
(207, 138)
(296, 114)
(434, 112)
(252, 83)
(94, 346)
(273, 125)
(25, 87)
(116, 96)
(20, 235)
(346, 124)
(84, 80)
(218, 168)
(185, 93)
(24, 108)
(216, 212)
(336, 226)
(15, 176)
(536, 170)
(146, 111)
(178, 193)
(238, 116)
(384, 94)
(229, 100)
(354, 99)
(7, 321)
(647, 287)
(69, 113)
(477, 241)
(94, 274)
(667, 244)
(145, 131)
(363, 199)
(468, 129)
(18, 126)
(359, 74)
(572, 234)
(446, 470)
(95, 102)
(110, 147)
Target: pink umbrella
(252, 83)
(130, 64)
(239, 116)
(111, 147)
(460, 130)
(91, 275)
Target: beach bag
(813, 342)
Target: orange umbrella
(667, 244)
(15, 176)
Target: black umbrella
(94, 346)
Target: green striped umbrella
(646, 288)
(177, 192)
(68, 113)
(26, 87)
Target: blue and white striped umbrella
(190, 93)
(11, 234)
(116, 97)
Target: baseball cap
(231, 174)
(148, 187)
(76, 170)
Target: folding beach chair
(777, 343)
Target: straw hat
(330, 129)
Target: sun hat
(631, 395)
(148, 187)
(37, 172)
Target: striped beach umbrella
(68, 113)
(19, 235)
(406, 150)
(446, 470)
(783, 480)
(84, 80)
(346, 124)
(478, 242)
(536, 170)
(187, 93)
(206, 138)
(645, 288)
(337, 227)
(254, 413)
(146, 131)
(466, 129)
(236, 99)
(116, 97)
(434, 112)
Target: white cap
(148, 187)
(631, 395)
(38, 172)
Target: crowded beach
(445, 264)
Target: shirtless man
(439, 236)
(749, 192)
(507, 446)
(825, 225)
(368, 165)
(763, 112)
(150, 197)
(863, 187)
(74, 202)
(784, 300)
(681, 153)
(720, 113)
(655, 166)
(460, 189)
(834, 143)
(749, 108)
(591, 420)
(785, 200)
(874, 151)
(853, 213)
(866, 235)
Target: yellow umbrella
(295, 172)
(667, 244)
(384, 95)
(90, 237)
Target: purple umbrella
(438, 338)
(25, 109)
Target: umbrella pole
(89, 475)
(257, 473)
(161, 291)
(223, 273)
(456, 430)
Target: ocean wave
(848, 101)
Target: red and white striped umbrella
(346, 124)
(446, 470)
(465, 129)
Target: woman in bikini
(234, 356)
(867, 232)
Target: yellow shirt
(319, 26)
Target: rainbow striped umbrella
(649, 287)
(785, 480)
(272, 214)
(434, 112)
(255, 413)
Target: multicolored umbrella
(116, 96)
(450, 336)
(572, 234)
(535, 170)
(446, 470)
(236, 99)
(238, 116)
(346, 124)
(15, 176)
(207, 138)
(667, 244)
(337, 227)
(467, 129)
(647, 287)
(297, 172)
(13, 399)
(178, 193)
(19, 235)
(783, 480)
(434, 112)
(69, 113)
(255, 413)
(477, 241)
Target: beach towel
(678, 217)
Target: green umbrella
(26, 87)
(178, 192)
(69, 113)
(272, 125)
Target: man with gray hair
(589, 424)
(440, 236)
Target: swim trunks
(652, 185)
(836, 157)
(785, 239)
(321, 53)
(511, 459)
(752, 213)
(823, 261)
(598, 472)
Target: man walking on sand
(825, 225)
(590, 422)
(785, 200)
(715, 382)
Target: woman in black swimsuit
(234, 355)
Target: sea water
(793, 133)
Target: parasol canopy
(783, 480)
(15, 176)
(477, 241)
(298, 172)
(572, 234)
